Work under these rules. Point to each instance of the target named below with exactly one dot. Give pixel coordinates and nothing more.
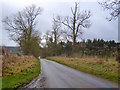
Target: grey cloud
(100, 28)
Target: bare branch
(113, 6)
(75, 22)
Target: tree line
(96, 47)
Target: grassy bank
(93, 65)
(0, 72)
(19, 71)
(0, 83)
(0, 66)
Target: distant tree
(35, 44)
(68, 48)
(56, 31)
(21, 27)
(48, 38)
(89, 44)
(113, 6)
(75, 22)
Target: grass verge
(22, 78)
(0, 83)
(96, 66)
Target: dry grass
(93, 65)
(16, 64)
(18, 70)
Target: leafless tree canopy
(113, 6)
(21, 26)
(75, 22)
(22, 23)
(56, 31)
(48, 38)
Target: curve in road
(60, 76)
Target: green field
(93, 65)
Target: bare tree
(53, 36)
(113, 6)
(48, 38)
(56, 31)
(75, 22)
(21, 26)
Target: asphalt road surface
(55, 75)
(60, 76)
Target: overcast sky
(100, 28)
